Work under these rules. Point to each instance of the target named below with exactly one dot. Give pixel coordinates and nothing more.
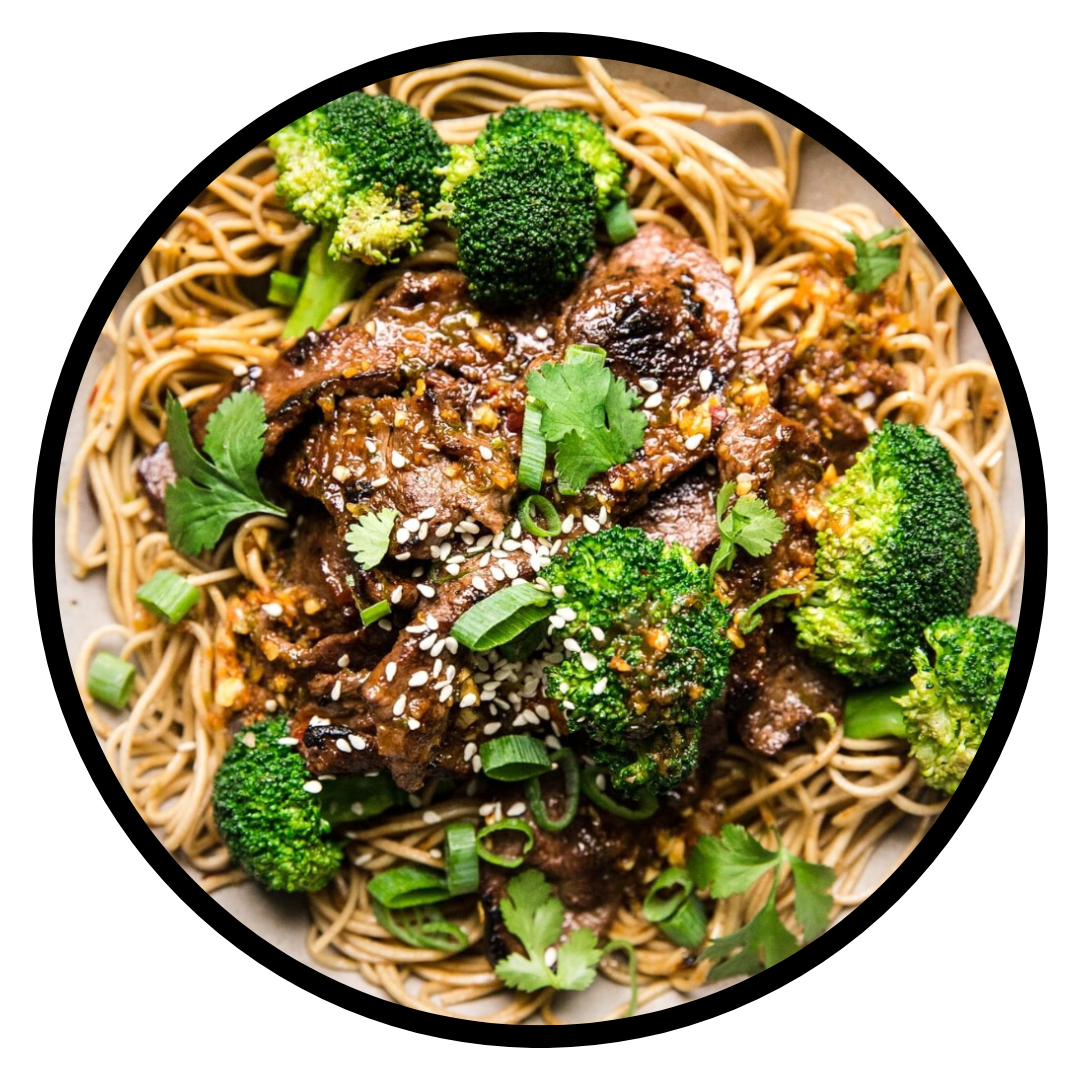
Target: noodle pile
(193, 324)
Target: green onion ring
(647, 804)
(656, 908)
(572, 774)
(422, 935)
(552, 525)
(689, 925)
(462, 862)
(514, 757)
(506, 825)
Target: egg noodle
(192, 326)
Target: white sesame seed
(510, 568)
(397, 460)
(453, 569)
(511, 545)
(418, 678)
(516, 810)
(399, 705)
(497, 574)
(380, 481)
(343, 745)
(416, 628)
(239, 370)
(588, 661)
(427, 515)
(340, 473)
(343, 660)
(567, 613)
(571, 645)
(401, 556)
(273, 610)
(479, 584)
(555, 623)
(467, 701)
(705, 378)
(439, 646)
(288, 740)
(541, 333)
(422, 532)
(568, 523)
(443, 531)
(403, 536)
(487, 808)
(470, 749)
(445, 694)
(397, 594)
(550, 956)
(650, 386)
(552, 742)
(358, 742)
(270, 705)
(319, 721)
(694, 441)
(426, 591)
(601, 781)
(490, 729)
(558, 591)
(363, 859)
(431, 622)
(519, 721)
(543, 712)
(484, 560)
(371, 445)
(313, 787)
(600, 686)
(335, 691)
(444, 551)
(413, 724)
(391, 670)
(597, 633)
(654, 400)
(358, 809)
(385, 624)
(865, 399)
(591, 524)
(485, 453)
(431, 817)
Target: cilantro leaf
(749, 524)
(813, 904)
(369, 538)
(765, 941)
(211, 492)
(873, 263)
(730, 864)
(535, 917)
(592, 417)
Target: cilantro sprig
(535, 917)
(749, 524)
(592, 418)
(369, 538)
(214, 489)
(732, 863)
(873, 263)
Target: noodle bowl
(833, 799)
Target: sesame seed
(445, 694)
(601, 781)
(397, 594)
(439, 646)
(422, 533)
(340, 473)
(343, 746)
(497, 574)
(414, 801)
(273, 610)
(239, 370)
(429, 641)
(591, 524)
(434, 551)
(443, 531)
(358, 809)
(543, 712)
(567, 613)
(509, 568)
(568, 523)
(402, 556)
(552, 742)
(490, 729)
(335, 691)
(487, 808)
(694, 441)
(602, 516)
(363, 859)
(453, 569)
(597, 633)
(558, 591)
(485, 453)
(288, 740)
(467, 701)
(418, 678)
(431, 817)
(416, 628)
(319, 721)
(650, 386)
(555, 623)
(588, 661)
(313, 787)
(550, 956)
(571, 645)
(479, 584)
(600, 686)
(431, 622)
(444, 551)
(511, 545)
(427, 515)
(519, 721)
(477, 763)
(391, 670)
(270, 705)
(705, 378)
(343, 660)
(412, 524)
(541, 333)
(380, 481)
(403, 536)
(385, 624)
(425, 591)
(413, 724)
(484, 560)
(371, 445)
(358, 742)
(654, 400)
(397, 460)
(516, 810)
(470, 749)
(399, 705)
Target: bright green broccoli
(897, 552)
(275, 828)
(646, 653)
(943, 712)
(362, 168)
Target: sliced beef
(409, 454)
(684, 513)
(765, 366)
(665, 312)
(589, 865)
(834, 393)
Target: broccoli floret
(897, 552)
(525, 215)
(276, 830)
(362, 168)
(574, 129)
(639, 689)
(943, 712)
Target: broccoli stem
(873, 714)
(619, 222)
(327, 283)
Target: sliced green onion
(422, 928)
(525, 644)
(676, 883)
(168, 596)
(552, 524)
(514, 757)
(284, 288)
(619, 222)
(358, 798)
(571, 774)
(111, 680)
(579, 352)
(646, 807)
(408, 886)
(618, 945)
(533, 450)
(506, 825)
(375, 612)
(689, 925)
(500, 617)
(462, 862)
